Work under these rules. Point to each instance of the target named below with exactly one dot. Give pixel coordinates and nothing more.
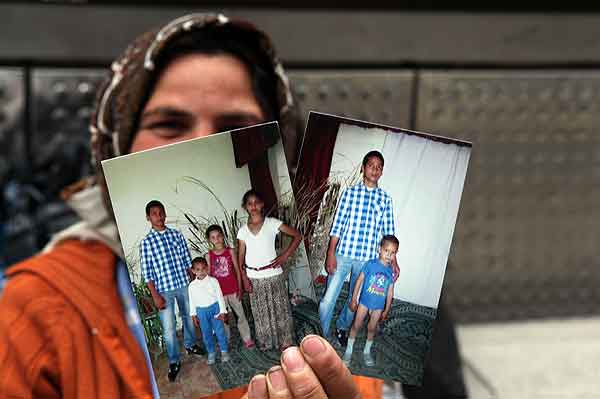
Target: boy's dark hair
(251, 193)
(199, 259)
(213, 227)
(152, 204)
(370, 155)
(389, 238)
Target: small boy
(207, 308)
(376, 287)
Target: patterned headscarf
(123, 94)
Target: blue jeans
(167, 320)
(335, 282)
(208, 324)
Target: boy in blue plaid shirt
(364, 215)
(166, 264)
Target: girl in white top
(208, 310)
(263, 277)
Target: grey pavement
(537, 359)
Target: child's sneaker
(369, 361)
(249, 344)
(347, 358)
(211, 358)
(225, 357)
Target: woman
(63, 329)
(68, 325)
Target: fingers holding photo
(302, 381)
(257, 389)
(335, 378)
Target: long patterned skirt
(272, 314)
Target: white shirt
(260, 248)
(205, 292)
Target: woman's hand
(313, 371)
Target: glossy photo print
(217, 262)
(383, 204)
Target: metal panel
(12, 103)
(526, 241)
(375, 96)
(77, 33)
(62, 101)
(14, 228)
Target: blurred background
(522, 83)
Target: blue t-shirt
(378, 278)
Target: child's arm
(241, 262)
(191, 303)
(192, 307)
(290, 231)
(158, 299)
(389, 228)
(331, 261)
(149, 275)
(238, 273)
(357, 287)
(187, 257)
(207, 259)
(341, 214)
(388, 302)
(395, 269)
(220, 299)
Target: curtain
(250, 147)
(425, 179)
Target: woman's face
(197, 95)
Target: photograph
(216, 261)
(383, 204)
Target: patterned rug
(399, 347)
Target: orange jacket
(63, 332)
(62, 329)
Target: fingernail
(293, 360)
(312, 345)
(258, 387)
(277, 379)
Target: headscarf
(121, 98)
(123, 94)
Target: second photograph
(381, 205)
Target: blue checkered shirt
(362, 218)
(165, 259)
